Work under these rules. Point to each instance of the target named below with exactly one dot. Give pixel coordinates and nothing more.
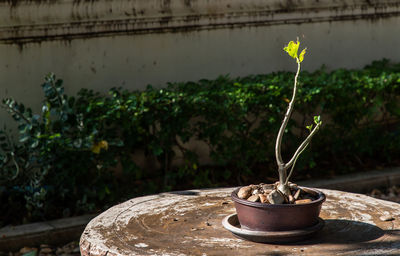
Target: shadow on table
(346, 232)
(357, 237)
(393, 232)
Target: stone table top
(189, 223)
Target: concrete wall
(104, 43)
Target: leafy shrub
(76, 155)
(52, 168)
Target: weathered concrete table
(189, 223)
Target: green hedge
(66, 157)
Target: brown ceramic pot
(277, 217)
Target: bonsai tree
(283, 186)
(283, 191)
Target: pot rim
(320, 200)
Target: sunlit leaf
(292, 49)
(301, 57)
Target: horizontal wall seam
(185, 23)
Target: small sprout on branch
(317, 119)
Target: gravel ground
(72, 248)
(390, 194)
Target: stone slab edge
(55, 232)
(68, 229)
(359, 182)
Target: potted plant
(282, 206)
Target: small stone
(244, 192)
(297, 194)
(376, 192)
(256, 192)
(386, 218)
(303, 201)
(254, 186)
(266, 187)
(291, 199)
(263, 198)
(46, 250)
(254, 198)
(275, 197)
(292, 185)
(267, 192)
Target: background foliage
(78, 154)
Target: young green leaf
(301, 57)
(317, 119)
(292, 49)
(309, 127)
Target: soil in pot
(262, 207)
(268, 194)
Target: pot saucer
(232, 224)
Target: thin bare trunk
(285, 121)
(281, 165)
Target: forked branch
(303, 145)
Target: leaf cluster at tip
(292, 49)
